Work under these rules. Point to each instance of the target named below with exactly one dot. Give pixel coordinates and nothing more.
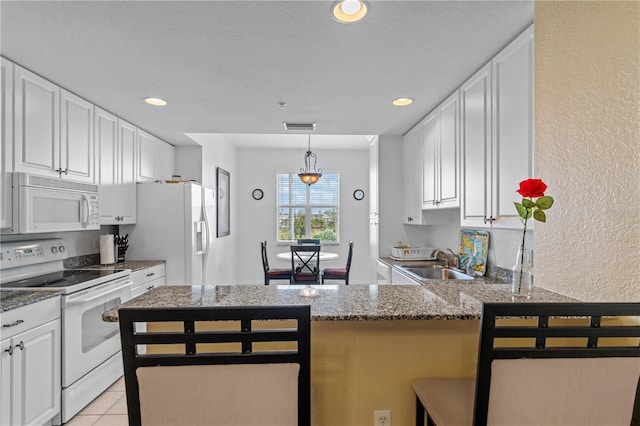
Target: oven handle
(83, 297)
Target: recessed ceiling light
(155, 101)
(348, 11)
(402, 101)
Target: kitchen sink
(436, 272)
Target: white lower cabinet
(30, 364)
(147, 279)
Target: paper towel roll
(107, 249)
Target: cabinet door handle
(150, 288)
(13, 324)
(21, 345)
(409, 219)
(151, 274)
(10, 350)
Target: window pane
(308, 211)
(324, 223)
(291, 223)
(326, 191)
(291, 190)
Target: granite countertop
(13, 299)
(446, 300)
(134, 265)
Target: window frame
(308, 207)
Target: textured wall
(587, 115)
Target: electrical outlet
(382, 418)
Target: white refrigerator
(176, 223)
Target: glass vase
(522, 274)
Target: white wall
(221, 153)
(390, 193)
(587, 127)
(257, 168)
(199, 164)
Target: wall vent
(300, 126)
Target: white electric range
(91, 359)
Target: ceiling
(225, 66)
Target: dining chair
(208, 371)
(272, 274)
(339, 273)
(553, 372)
(305, 264)
(308, 241)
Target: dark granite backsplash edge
(81, 261)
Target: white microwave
(44, 204)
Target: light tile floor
(109, 409)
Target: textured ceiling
(224, 66)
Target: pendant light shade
(307, 175)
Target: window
(308, 211)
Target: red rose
(532, 188)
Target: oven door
(87, 340)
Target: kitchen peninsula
(368, 341)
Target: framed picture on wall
(224, 213)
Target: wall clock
(358, 194)
(257, 194)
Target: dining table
(324, 256)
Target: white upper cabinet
(156, 158)
(497, 136)
(512, 136)
(6, 151)
(76, 137)
(106, 136)
(165, 160)
(37, 121)
(430, 161)
(53, 133)
(146, 156)
(441, 156)
(127, 151)
(115, 140)
(412, 159)
(475, 101)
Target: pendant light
(306, 175)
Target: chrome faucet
(445, 256)
(437, 254)
(456, 259)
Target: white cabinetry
(412, 159)
(156, 158)
(30, 364)
(37, 121)
(53, 129)
(165, 160)
(144, 280)
(6, 150)
(76, 137)
(115, 140)
(497, 136)
(441, 156)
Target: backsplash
(81, 261)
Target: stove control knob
(62, 249)
(54, 250)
